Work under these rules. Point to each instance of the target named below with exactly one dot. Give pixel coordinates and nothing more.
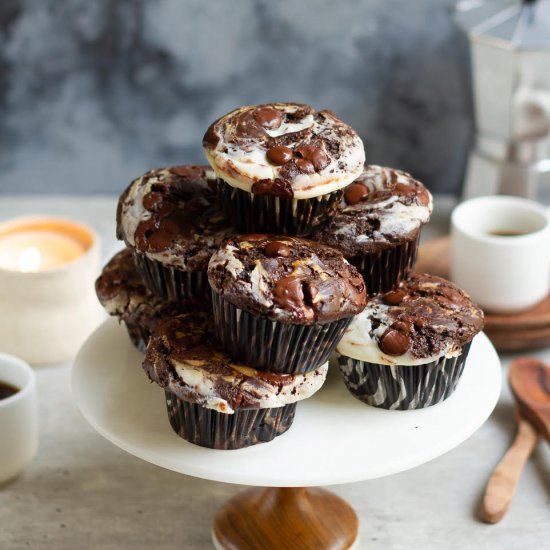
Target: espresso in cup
(18, 416)
(506, 233)
(500, 252)
(7, 390)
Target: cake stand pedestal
(285, 517)
(334, 439)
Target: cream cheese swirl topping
(172, 216)
(423, 319)
(284, 149)
(381, 207)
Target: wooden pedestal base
(289, 518)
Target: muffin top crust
(424, 318)
(382, 207)
(287, 279)
(183, 357)
(122, 293)
(171, 215)
(284, 149)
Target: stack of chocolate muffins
(239, 280)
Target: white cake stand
(334, 439)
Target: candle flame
(29, 259)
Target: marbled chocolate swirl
(122, 293)
(379, 209)
(287, 279)
(184, 358)
(284, 149)
(423, 319)
(171, 215)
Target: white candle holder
(45, 316)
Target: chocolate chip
(279, 154)
(152, 200)
(394, 297)
(268, 118)
(247, 127)
(277, 248)
(355, 193)
(166, 233)
(313, 292)
(288, 293)
(143, 231)
(320, 160)
(314, 154)
(394, 342)
(277, 188)
(210, 139)
(305, 166)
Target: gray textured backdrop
(93, 93)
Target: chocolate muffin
(170, 219)
(282, 165)
(377, 225)
(408, 347)
(214, 401)
(282, 303)
(122, 293)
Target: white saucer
(334, 439)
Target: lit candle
(47, 271)
(39, 244)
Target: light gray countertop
(83, 492)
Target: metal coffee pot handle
(532, 114)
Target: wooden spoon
(503, 482)
(529, 380)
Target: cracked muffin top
(171, 215)
(424, 318)
(287, 279)
(382, 207)
(184, 358)
(122, 293)
(284, 149)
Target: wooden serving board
(513, 332)
(520, 340)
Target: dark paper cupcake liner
(403, 387)
(216, 430)
(170, 283)
(383, 270)
(269, 345)
(138, 335)
(251, 213)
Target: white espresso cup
(500, 252)
(18, 417)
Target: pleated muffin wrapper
(403, 387)
(273, 346)
(216, 430)
(385, 269)
(251, 213)
(170, 283)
